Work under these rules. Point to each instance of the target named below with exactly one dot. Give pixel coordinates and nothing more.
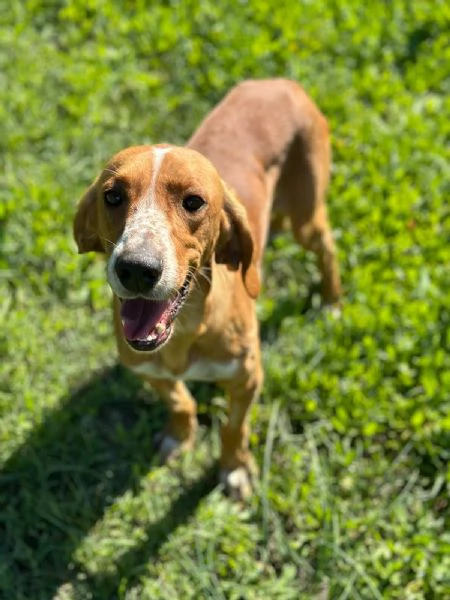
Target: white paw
(334, 311)
(238, 484)
(169, 447)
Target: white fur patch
(237, 483)
(159, 154)
(200, 370)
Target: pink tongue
(140, 316)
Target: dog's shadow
(93, 447)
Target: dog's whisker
(113, 244)
(196, 278)
(196, 274)
(205, 276)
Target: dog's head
(161, 214)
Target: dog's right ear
(85, 224)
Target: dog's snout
(138, 275)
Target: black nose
(138, 275)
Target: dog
(184, 230)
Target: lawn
(352, 434)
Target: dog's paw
(169, 447)
(238, 483)
(334, 310)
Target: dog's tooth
(159, 328)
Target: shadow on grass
(94, 446)
(134, 563)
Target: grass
(352, 434)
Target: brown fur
(269, 142)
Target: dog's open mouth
(147, 324)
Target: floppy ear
(235, 246)
(85, 225)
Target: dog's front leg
(237, 467)
(180, 432)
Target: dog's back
(270, 143)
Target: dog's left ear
(85, 224)
(235, 246)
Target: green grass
(352, 433)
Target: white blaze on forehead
(148, 227)
(159, 154)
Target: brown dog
(184, 229)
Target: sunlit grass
(352, 434)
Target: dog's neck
(194, 313)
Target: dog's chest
(201, 369)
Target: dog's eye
(113, 197)
(193, 203)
